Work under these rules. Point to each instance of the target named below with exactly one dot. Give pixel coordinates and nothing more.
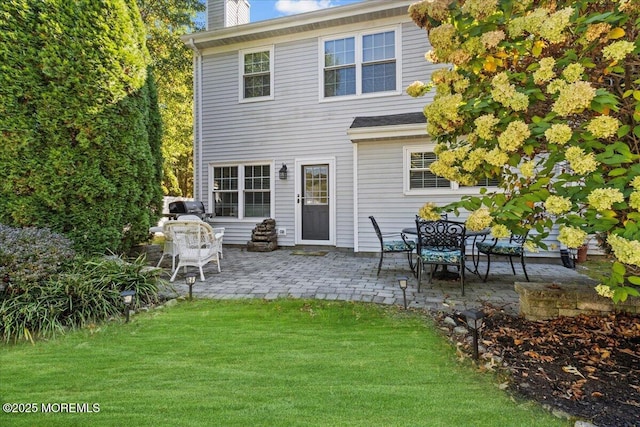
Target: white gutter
(197, 116)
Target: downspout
(197, 125)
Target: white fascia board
(387, 132)
(289, 24)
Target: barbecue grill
(186, 207)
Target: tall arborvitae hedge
(79, 123)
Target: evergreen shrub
(48, 289)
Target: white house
(320, 94)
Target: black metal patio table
(477, 236)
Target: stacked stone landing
(264, 237)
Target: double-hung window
(242, 191)
(364, 63)
(418, 178)
(379, 62)
(256, 83)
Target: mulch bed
(586, 366)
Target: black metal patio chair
(393, 243)
(513, 248)
(440, 242)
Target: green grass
(258, 363)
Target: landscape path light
(403, 281)
(475, 320)
(190, 280)
(127, 298)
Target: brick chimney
(227, 13)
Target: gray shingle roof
(389, 120)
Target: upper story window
(339, 67)
(379, 62)
(365, 63)
(256, 83)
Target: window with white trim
(420, 180)
(256, 67)
(364, 63)
(242, 191)
(420, 176)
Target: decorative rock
(460, 330)
(264, 237)
(449, 321)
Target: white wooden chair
(195, 243)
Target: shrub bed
(49, 289)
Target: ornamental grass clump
(48, 289)
(552, 101)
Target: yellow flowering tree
(544, 96)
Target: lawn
(257, 363)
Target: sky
(268, 9)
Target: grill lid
(186, 207)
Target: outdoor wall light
(190, 280)
(127, 298)
(402, 281)
(475, 319)
(283, 172)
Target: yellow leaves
(537, 47)
(616, 33)
(492, 63)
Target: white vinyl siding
(256, 82)
(361, 64)
(295, 125)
